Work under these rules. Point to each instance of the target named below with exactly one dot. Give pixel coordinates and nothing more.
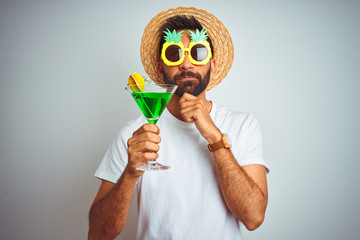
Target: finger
(145, 146)
(146, 136)
(192, 104)
(150, 156)
(195, 108)
(147, 128)
(143, 138)
(187, 97)
(143, 156)
(190, 116)
(141, 159)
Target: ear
(160, 70)
(213, 65)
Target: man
(207, 192)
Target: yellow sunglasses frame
(184, 50)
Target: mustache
(187, 74)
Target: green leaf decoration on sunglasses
(198, 36)
(172, 36)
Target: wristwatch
(223, 143)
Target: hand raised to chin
(197, 110)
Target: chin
(187, 89)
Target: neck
(174, 105)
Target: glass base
(153, 166)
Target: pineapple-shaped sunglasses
(173, 50)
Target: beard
(191, 86)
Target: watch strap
(218, 145)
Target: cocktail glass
(152, 101)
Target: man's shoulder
(230, 113)
(136, 122)
(235, 123)
(132, 125)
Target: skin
(244, 188)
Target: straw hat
(220, 37)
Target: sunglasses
(173, 54)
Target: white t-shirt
(185, 201)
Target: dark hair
(180, 22)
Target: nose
(186, 64)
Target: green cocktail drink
(152, 104)
(152, 100)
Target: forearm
(242, 195)
(108, 216)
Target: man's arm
(244, 188)
(109, 211)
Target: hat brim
(222, 44)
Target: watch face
(228, 141)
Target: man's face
(190, 78)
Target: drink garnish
(136, 82)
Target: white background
(62, 102)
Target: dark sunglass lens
(173, 53)
(199, 52)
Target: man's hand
(194, 110)
(142, 147)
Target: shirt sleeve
(251, 149)
(115, 160)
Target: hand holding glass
(152, 101)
